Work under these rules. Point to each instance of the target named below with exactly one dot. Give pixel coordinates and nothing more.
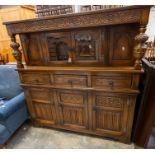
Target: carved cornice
(98, 18)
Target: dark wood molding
(91, 19)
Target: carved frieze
(76, 21)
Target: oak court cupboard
(82, 70)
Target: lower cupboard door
(41, 105)
(44, 113)
(111, 115)
(73, 108)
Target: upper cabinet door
(87, 46)
(32, 48)
(58, 47)
(121, 45)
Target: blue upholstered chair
(13, 111)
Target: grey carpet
(29, 137)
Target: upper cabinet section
(112, 37)
(102, 46)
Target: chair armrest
(12, 106)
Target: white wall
(151, 25)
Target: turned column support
(140, 47)
(16, 52)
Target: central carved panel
(86, 45)
(71, 98)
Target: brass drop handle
(70, 82)
(111, 84)
(60, 105)
(37, 81)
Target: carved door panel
(87, 46)
(57, 46)
(32, 48)
(41, 105)
(73, 108)
(110, 113)
(121, 45)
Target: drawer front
(111, 81)
(35, 78)
(70, 80)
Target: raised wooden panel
(42, 101)
(109, 115)
(73, 105)
(73, 116)
(44, 111)
(34, 78)
(121, 44)
(32, 47)
(108, 101)
(58, 46)
(108, 120)
(112, 81)
(70, 80)
(71, 98)
(87, 45)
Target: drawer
(70, 80)
(40, 94)
(112, 81)
(35, 78)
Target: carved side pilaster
(16, 52)
(140, 47)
